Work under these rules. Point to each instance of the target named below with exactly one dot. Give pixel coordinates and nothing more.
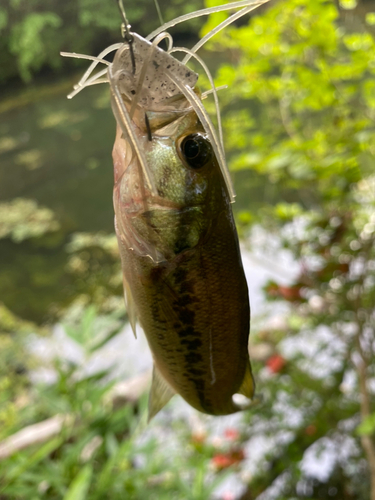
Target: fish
(183, 277)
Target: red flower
(290, 293)
(221, 461)
(224, 460)
(275, 363)
(231, 434)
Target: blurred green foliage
(300, 111)
(99, 453)
(34, 32)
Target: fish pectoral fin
(161, 392)
(247, 388)
(130, 308)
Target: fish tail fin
(244, 398)
(161, 392)
(247, 388)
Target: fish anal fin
(161, 392)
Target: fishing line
(161, 20)
(125, 31)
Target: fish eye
(196, 150)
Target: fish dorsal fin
(161, 392)
(247, 388)
(130, 308)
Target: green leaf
(348, 4)
(35, 458)
(79, 486)
(367, 426)
(370, 18)
(288, 211)
(27, 43)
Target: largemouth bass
(183, 276)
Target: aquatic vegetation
(93, 262)
(7, 143)
(31, 159)
(21, 219)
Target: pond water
(58, 152)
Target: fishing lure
(183, 275)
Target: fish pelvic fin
(161, 392)
(130, 308)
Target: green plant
(33, 34)
(103, 447)
(300, 113)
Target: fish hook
(126, 34)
